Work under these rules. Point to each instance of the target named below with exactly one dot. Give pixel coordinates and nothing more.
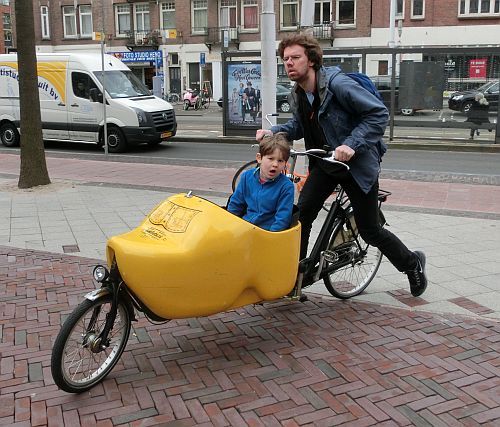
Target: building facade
(5, 26)
(191, 34)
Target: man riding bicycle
(332, 109)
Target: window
(199, 18)
(7, 33)
(141, 17)
(417, 8)
(44, 16)
(346, 13)
(85, 21)
(81, 84)
(400, 9)
(479, 7)
(322, 12)
(122, 18)
(69, 21)
(227, 14)
(250, 15)
(289, 14)
(167, 17)
(6, 21)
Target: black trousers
(320, 185)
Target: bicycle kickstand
(296, 294)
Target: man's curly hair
(312, 48)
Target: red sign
(477, 68)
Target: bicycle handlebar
(319, 153)
(313, 152)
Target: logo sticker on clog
(172, 217)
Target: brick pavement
(324, 362)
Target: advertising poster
(477, 68)
(243, 95)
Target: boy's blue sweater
(268, 205)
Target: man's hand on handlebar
(344, 153)
(261, 133)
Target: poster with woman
(243, 94)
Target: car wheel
(285, 107)
(466, 106)
(9, 135)
(116, 140)
(407, 111)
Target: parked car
(282, 103)
(383, 85)
(462, 101)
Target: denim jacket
(350, 115)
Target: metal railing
(150, 38)
(215, 35)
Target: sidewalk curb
(399, 144)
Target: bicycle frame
(310, 268)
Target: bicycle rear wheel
(351, 263)
(237, 175)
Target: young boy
(264, 196)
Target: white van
(71, 102)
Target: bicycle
(172, 97)
(176, 265)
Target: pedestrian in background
(478, 114)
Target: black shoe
(417, 277)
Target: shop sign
(138, 56)
(477, 68)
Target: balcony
(320, 31)
(324, 32)
(143, 40)
(217, 35)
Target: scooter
(195, 99)
(190, 99)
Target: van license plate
(165, 135)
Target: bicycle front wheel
(237, 175)
(351, 263)
(79, 359)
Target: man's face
(297, 65)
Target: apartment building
(5, 26)
(443, 23)
(186, 32)
(183, 39)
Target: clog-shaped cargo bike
(188, 258)
(192, 258)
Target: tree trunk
(33, 170)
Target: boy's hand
(344, 153)
(261, 133)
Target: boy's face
(271, 165)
